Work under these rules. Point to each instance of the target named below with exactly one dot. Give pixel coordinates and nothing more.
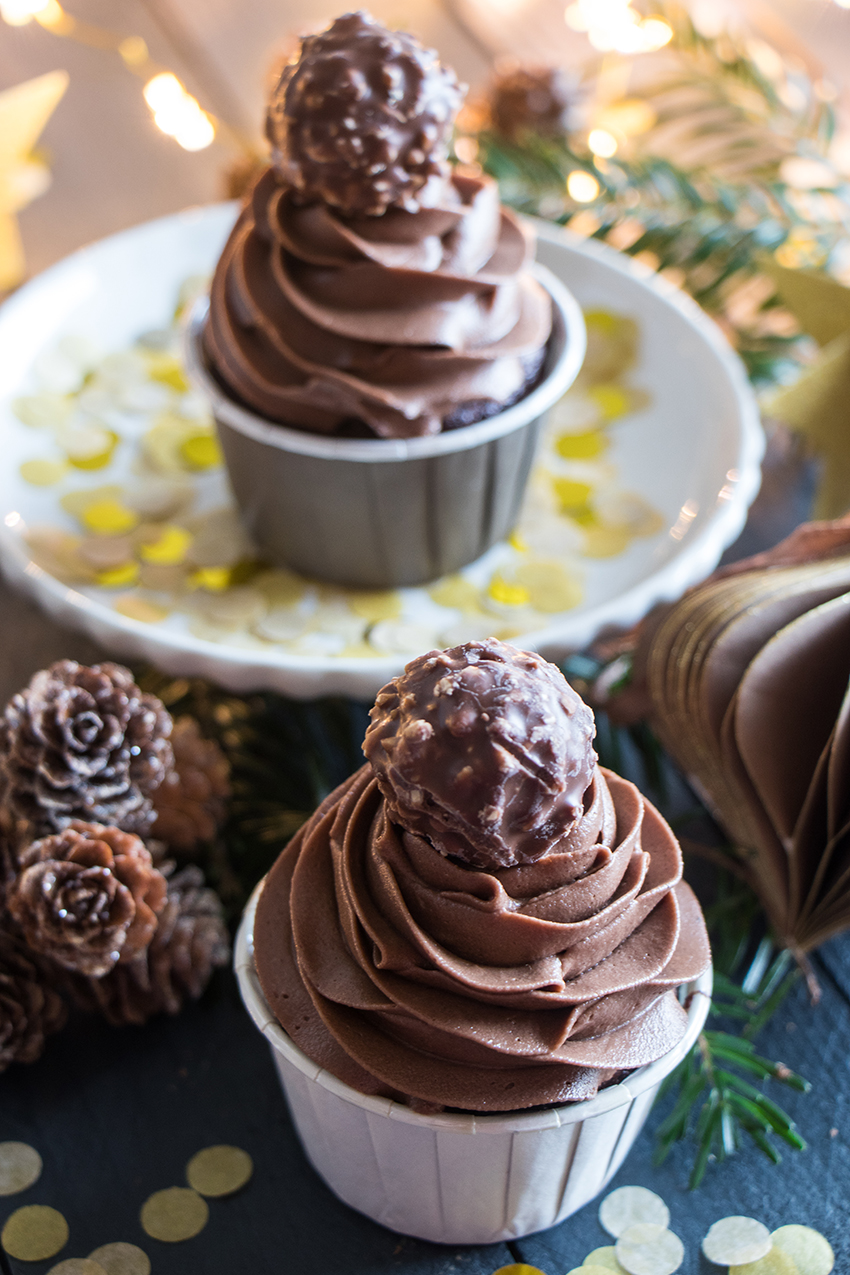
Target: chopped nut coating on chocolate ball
(485, 750)
(362, 119)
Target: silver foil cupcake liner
(451, 1178)
(384, 513)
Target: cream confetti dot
(605, 1257)
(649, 1249)
(34, 1233)
(174, 1214)
(122, 1259)
(629, 1205)
(20, 1167)
(218, 1171)
(811, 1252)
(77, 1266)
(733, 1241)
(773, 1263)
(43, 473)
(390, 636)
(584, 1269)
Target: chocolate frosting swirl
(398, 325)
(410, 975)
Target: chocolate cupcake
(370, 307)
(483, 920)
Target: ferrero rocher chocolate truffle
(536, 99)
(415, 974)
(363, 118)
(484, 749)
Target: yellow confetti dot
(136, 608)
(213, 579)
(601, 320)
(170, 549)
(384, 604)
(736, 1240)
(773, 1263)
(582, 446)
(43, 473)
(202, 451)
(89, 447)
(77, 502)
(810, 1251)
(109, 518)
(507, 594)
(118, 577)
(20, 1167)
(77, 1266)
(573, 496)
(606, 1258)
(456, 592)
(34, 1233)
(168, 371)
(174, 1214)
(629, 1205)
(218, 1171)
(122, 1259)
(516, 541)
(612, 400)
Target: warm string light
(613, 26)
(175, 112)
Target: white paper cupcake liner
(459, 1179)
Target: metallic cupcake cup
(453, 1178)
(384, 513)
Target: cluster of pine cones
(98, 790)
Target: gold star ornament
(24, 111)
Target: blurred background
(112, 167)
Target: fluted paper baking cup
(387, 512)
(459, 1179)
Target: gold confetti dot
(573, 496)
(77, 1266)
(34, 1233)
(382, 604)
(202, 451)
(605, 1257)
(169, 549)
(518, 1268)
(605, 541)
(168, 371)
(649, 1249)
(119, 577)
(736, 1240)
(629, 1205)
(77, 502)
(213, 579)
(219, 1170)
(507, 594)
(43, 473)
(20, 1167)
(584, 446)
(136, 608)
(612, 400)
(175, 1214)
(122, 1259)
(551, 588)
(109, 518)
(773, 1263)
(810, 1251)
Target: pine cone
(536, 99)
(190, 941)
(87, 897)
(29, 1008)
(190, 802)
(83, 743)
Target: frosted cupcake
(481, 920)
(374, 307)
